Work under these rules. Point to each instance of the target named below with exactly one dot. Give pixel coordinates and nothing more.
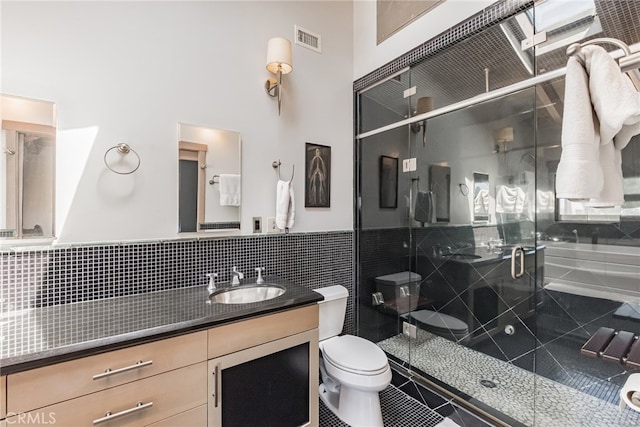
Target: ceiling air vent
(308, 39)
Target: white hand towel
(229, 190)
(617, 105)
(614, 97)
(545, 201)
(579, 176)
(510, 199)
(285, 211)
(588, 168)
(481, 202)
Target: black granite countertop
(41, 336)
(481, 255)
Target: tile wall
(39, 278)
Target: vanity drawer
(44, 386)
(160, 396)
(196, 417)
(248, 333)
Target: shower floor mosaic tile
(515, 390)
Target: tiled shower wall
(393, 250)
(31, 279)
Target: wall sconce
(425, 104)
(504, 136)
(279, 63)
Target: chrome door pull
(109, 416)
(108, 372)
(216, 374)
(514, 254)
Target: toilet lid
(439, 321)
(355, 354)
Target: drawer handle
(108, 372)
(109, 416)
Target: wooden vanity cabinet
(133, 386)
(3, 397)
(265, 370)
(169, 382)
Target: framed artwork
(388, 182)
(317, 181)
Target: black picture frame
(388, 182)
(317, 176)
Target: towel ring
(276, 165)
(123, 149)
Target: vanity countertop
(41, 336)
(482, 255)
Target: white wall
(130, 71)
(368, 56)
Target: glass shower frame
(537, 155)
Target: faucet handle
(212, 282)
(260, 270)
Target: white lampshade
(279, 53)
(503, 134)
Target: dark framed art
(317, 181)
(388, 182)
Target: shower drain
(488, 384)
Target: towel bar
(614, 346)
(633, 73)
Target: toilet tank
(332, 310)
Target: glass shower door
(476, 254)
(387, 289)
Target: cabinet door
(272, 384)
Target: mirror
(440, 185)
(27, 165)
(480, 197)
(209, 179)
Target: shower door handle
(518, 250)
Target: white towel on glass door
(285, 206)
(229, 190)
(579, 175)
(601, 114)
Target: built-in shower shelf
(614, 346)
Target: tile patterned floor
(462, 368)
(406, 404)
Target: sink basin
(464, 256)
(246, 294)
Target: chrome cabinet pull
(517, 250)
(109, 416)
(108, 372)
(216, 374)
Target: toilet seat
(440, 322)
(355, 355)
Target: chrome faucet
(212, 282)
(260, 280)
(236, 276)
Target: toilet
(441, 324)
(353, 369)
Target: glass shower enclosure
(472, 276)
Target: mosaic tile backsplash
(42, 278)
